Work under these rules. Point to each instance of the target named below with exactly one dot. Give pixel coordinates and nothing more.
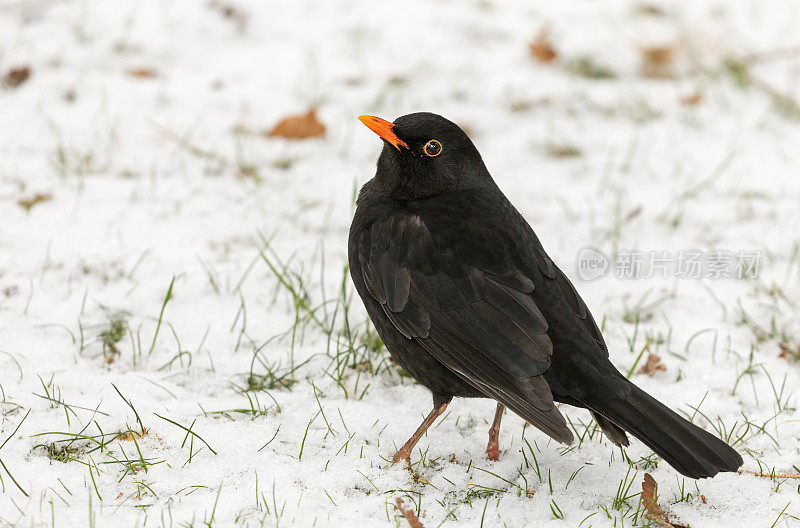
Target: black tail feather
(689, 449)
(611, 430)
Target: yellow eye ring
(432, 148)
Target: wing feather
(396, 282)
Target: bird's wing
(552, 272)
(463, 299)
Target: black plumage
(469, 304)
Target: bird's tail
(687, 448)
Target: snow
(169, 178)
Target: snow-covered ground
(141, 131)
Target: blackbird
(469, 303)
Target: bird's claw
(401, 455)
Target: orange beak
(384, 129)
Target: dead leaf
(542, 49)
(143, 73)
(132, 435)
(16, 76)
(363, 366)
(652, 365)
(788, 352)
(649, 9)
(692, 99)
(652, 510)
(649, 498)
(411, 517)
(634, 213)
(298, 126)
(563, 150)
(10, 291)
(657, 61)
(28, 203)
(703, 498)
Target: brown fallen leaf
(542, 49)
(298, 126)
(649, 9)
(649, 498)
(411, 517)
(788, 352)
(692, 99)
(132, 435)
(363, 366)
(16, 76)
(634, 213)
(28, 203)
(563, 150)
(143, 73)
(652, 365)
(657, 61)
(652, 510)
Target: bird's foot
(402, 454)
(493, 447)
(493, 450)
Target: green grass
(355, 350)
(115, 332)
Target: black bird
(469, 304)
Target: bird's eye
(433, 148)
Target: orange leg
(405, 451)
(493, 448)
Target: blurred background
(179, 342)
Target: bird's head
(423, 155)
